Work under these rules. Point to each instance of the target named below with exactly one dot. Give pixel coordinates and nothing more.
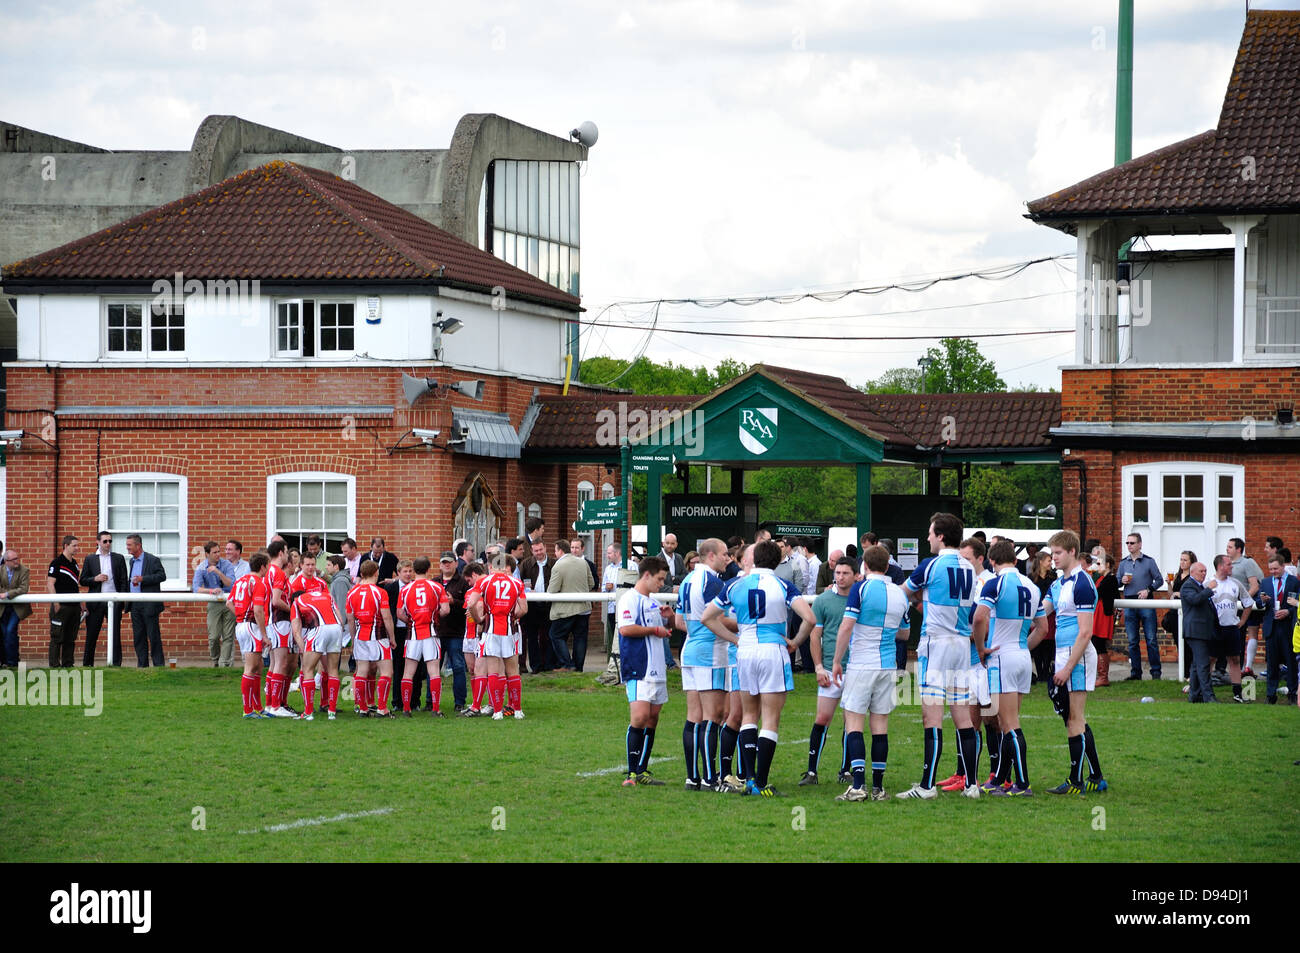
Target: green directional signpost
(601, 514)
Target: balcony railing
(1277, 327)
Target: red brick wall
(1185, 393)
(405, 496)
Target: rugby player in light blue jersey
(729, 776)
(642, 635)
(762, 604)
(828, 610)
(1073, 598)
(704, 667)
(1010, 618)
(944, 585)
(868, 638)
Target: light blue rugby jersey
(760, 603)
(1070, 597)
(701, 648)
(1013, 603)
(877, 608)
(947, 582)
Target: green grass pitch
(169, 772)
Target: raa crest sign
(758, 429)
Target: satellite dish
(414, 387)
(586, 134)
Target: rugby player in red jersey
(278, 630)
(421, 600)
(477, 670)
(318, 633)
(501, 601)
(247, 600)
(372, 644)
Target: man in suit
(15, 580)
(103, 571)
(386, 560)
(572, 575)
(676, 565)
(146, 575)
(1200, 630)
(1279, 595)
(535, 573)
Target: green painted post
(653, 511)
(625, 467)
(864, 498)
(1124, 96)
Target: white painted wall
(1190, 311)
(240, 329)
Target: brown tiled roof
(570, 423)
(1250, 161)
(281, 221)
(1018, 421)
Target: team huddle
(977, 630)
(297, 619)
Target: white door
(1181, 505)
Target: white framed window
(1178, 505)
(586, 491)
(315, 327)
(141, 328)
(155, 506)
(310, 501)
(534, 510)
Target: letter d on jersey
(758, 429)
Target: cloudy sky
(745, 147)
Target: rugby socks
(406, 694)
(933, 752)
(497, 695)
(515, 694)
(995, 748)
(691, 748)
(1076, 759)
(711, 731)
(435, 692)
(333, 698)
(766, 752)
(748, 750)
(635, 739)
(856, 747)
(479, 686)
(816, 742)
(879, 757)
(1248, 660)
(1090, 753)
(248, 689)
(727, 738)
(969, 740)
(647, 746)
(371, 691)
(1236, 689)
(360, 693)
(385, 686)
(309, 695)
(1018, 752)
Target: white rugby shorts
(764, 669)
(280, 635)
(423, 650)
(371, 650)
(250, 638)
(1010, 670)
(1083, 677)
(703, 678)
(948, 676)
(498, 646)
(654, 691)
(832, 690)
(870, 691)
(323, 639)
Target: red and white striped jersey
(248, 592)
(499, 592)
(421, 600)
(301, 583)
(319, 600)
(365, 603)
(276, 579)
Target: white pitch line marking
(317, 821)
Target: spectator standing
(571, 576)
(215, 576)
(451, 627)
(534, 531)
(103, 571)
(147, 575)
(351, 557)
(1229, 599)
(1170, 622)
(579, 548)
(1140, 577)
(676, 564)
(1200, 629)
(1103, 625)
(65, 617)
(379, 555)
(464, 554)
(814, 568)
(609, 583)
(535, 573)
(340, 584)
(826, 571)
(1043, 575)
(393, 587)
(1247, 572)
(1279, 596)
(316, 553)
(15, 580)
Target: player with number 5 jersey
(420, 602)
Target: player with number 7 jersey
(498, 599)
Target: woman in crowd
(1103, 621)
(1170, 622)
(1042, 575)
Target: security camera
(427, 437)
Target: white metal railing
(1174, 605)
(1277, 326)
(112, 598)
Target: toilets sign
(758, 429)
